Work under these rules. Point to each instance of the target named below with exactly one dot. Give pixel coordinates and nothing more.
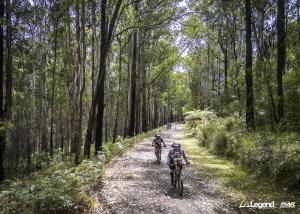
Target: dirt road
(134, 183)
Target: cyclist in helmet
(158, 142)
(175, 152)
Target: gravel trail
(134, 184)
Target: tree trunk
(225, 69)
(53, 92)
(298, 33)
(61, 130)
(133, 76)
(119, 91)
(99, 120)
(9, 79)
(249, 84)
(93, 44)
(98, 99)
(102, 73)
(281, 48)
(79, 78)
(144, 100)
(43, 88)
(2, 143)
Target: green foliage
(272, 154)
(220, 142)
(292, 87)
(6, 126)
(193, 117)
(61, 187)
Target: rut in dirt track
(134, 183)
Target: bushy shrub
(204, 134)
(273, 154)
(220, 142)
(193, 117)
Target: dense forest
(81, 73)
(76, 75)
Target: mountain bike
(158, 150)
(178, 180)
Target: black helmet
(156, 135)
(174, 144)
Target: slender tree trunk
(249, 84)
(225, 69)
(281, 48)
(102, 73)
(43, 88)
(144, 100)
(298, 32)
(155, 116)
(99, 120)
(79, 79)
(119, 91)
(53, 93)
(93, 44)
(273, 110)
(28, 137)
(98, 99)
(2, 143)
(224, 49)
(61, 130)
(9, 79)
(133, 92)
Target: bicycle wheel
(175, 181)
(180, 187)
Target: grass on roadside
(235, 181)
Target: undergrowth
(275, 155)
(61, 187)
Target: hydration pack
(158, 142)
(177, 152)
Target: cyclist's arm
(169, 157)
(184, 156)
(162, 140)
(153, 141)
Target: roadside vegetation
(61, 187)
(261, 165)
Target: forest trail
(134, 183)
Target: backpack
(176, 152)
(157, 142)
(177, 156)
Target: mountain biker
(175, 152)
(157, 143)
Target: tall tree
(248, 76)
(93, 10)
(79, 78)
(9, 78)
(2, 143)
(53, 89)
(281, 49)
(107, 29)
(133, 79)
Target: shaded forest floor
(134, 183)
